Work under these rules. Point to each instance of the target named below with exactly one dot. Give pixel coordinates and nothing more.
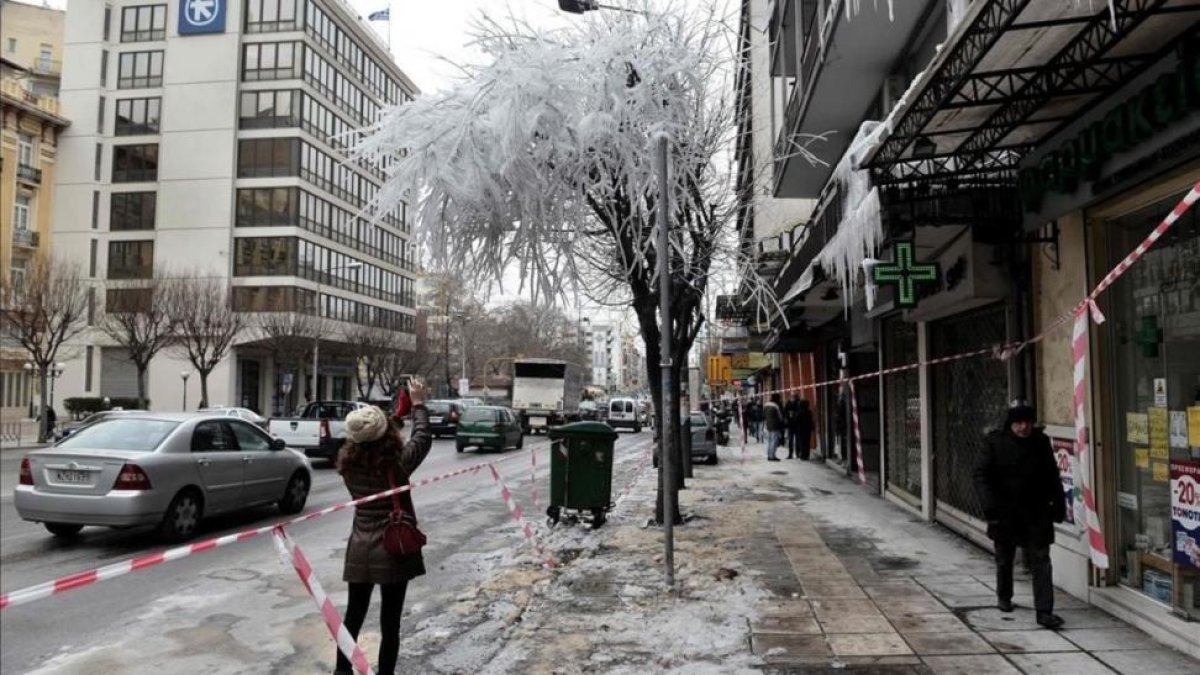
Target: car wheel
(637, 430)
(64, 530)
(459, 447)
(711, 460)
(295, 495)
(182, 518)
(520, 442)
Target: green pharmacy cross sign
(905, 273)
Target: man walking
(1022, 497)
(800, 428)
(773, 421)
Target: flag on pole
(381, 15)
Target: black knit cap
(1020, 411)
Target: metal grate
(902, 408)
(969, 399)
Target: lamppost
(30, 371)
(184, 375)
(462, 334)
(55, 372)
(316, 362)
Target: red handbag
(401, 537)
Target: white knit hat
(366, 424)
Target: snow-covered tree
(541, 159)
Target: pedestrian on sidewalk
(1022, 497)
(773, 421)
(375, 457)
(800, 428)
(755, 411)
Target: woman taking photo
(374, 459)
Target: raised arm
(421, 439)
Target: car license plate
(475, 440)
(73, 477)
(435, 420)
(537, 421)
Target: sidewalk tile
(887, 664)
(962, 642)
(1107, 639)
(1070, 663)
(833, 589)
(868, 644)
(810, 576)
(1018, 641)
(990, 618)
(928, 623)
(927, 579)
(991, 664)
(856, 624)
(905, 588)
(970, 601)
(1088, 618)
(776, 647)
(898, 607)
(1159, 661)
(795, 625)
(786, 609)
(826, 609)
(944, 590)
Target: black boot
(1005, 606)
(1049, 620)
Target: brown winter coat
(366, 559)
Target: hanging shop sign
(904, 273)
(1185, 512)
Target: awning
(1012, 75)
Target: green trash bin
(581, 468)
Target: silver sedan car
(168, 470)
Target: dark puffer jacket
(366, 559)
(1019, 487)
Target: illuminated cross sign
(905, 273)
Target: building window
(87, 368)
(135, 163)
(95, 209)
(267, 207)
(265, 157)
(271, 16)
(137, 116)
(103, 68)
(271, 61)
(140, 70)
(143, 23)
(268, 109)
(92, 259)
(25, 150)
(99, 157)
(91, 306)
(45, 62)
(273, 299)
(130, 259)
(126, 300)
(265, 256)
(100, 116)
(21, 210)
(132, 211)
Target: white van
(624, 412)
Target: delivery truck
(546, 392)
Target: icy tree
(541, 160)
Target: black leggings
(389, 623)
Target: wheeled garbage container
(581, 468)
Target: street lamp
(184, 375)
(29, 373)
(56, 371)
(317, 337)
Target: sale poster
(1141, 457)
(1179, 436)
(1185, 512)
(1160, 447)
(1193, 422)
(1064, 448)
(1137, 428)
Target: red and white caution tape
(89, 577)
(292, 555)
(548, 561)
(1081, 467)
(858, 445)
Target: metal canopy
(1014, 74)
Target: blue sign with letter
(197, 17)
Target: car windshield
(698, 420)
(141, 435)
(480, 415)
(438, 407)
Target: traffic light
(578, 6)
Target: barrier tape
(858, 445)
(548, 561)
(89, 577)
(292, 555)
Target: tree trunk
(203, 387)
(141, 386)
(42, 422)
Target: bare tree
(139, 316)
(207, 325)
(42, 313)
(289, 336)
(376, 351)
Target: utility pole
(666, 358)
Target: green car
(489, 426)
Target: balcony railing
(25, 238)
(51, 67)
(29, 174)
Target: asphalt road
(237, 609)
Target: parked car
(489, 426)
(704, 438)
(319, 430)
(69, 428)
(624, 413)
(240, 413)
(470, 402)
(589, 411)
(168, 470)
(444, 416)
